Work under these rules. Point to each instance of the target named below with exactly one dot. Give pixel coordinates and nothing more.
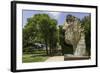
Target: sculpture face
(68, 33)
(74, 35)
(72, 31)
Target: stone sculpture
(74, 35)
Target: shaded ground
(55, 58)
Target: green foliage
(27, 58)
(86, 24)
(40, 29)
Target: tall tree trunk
(46, 46)
(50, 46)
(50, 49)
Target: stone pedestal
(72, 57)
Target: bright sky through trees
(59, 16)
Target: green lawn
(27, 58)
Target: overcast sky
(59, 16)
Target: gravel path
(55, 58)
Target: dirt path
(55, 58)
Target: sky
(59, 16)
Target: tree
(86, 24)
(53, 36)
(40, 28)
(29, 33)
(48, 28)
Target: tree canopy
(42, 29)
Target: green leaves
(40, 28)
(86, 24)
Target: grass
(27, 58)
(35, 52)
(39, 52)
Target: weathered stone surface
(74, 35)
(81, 48)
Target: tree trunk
(46, 46)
